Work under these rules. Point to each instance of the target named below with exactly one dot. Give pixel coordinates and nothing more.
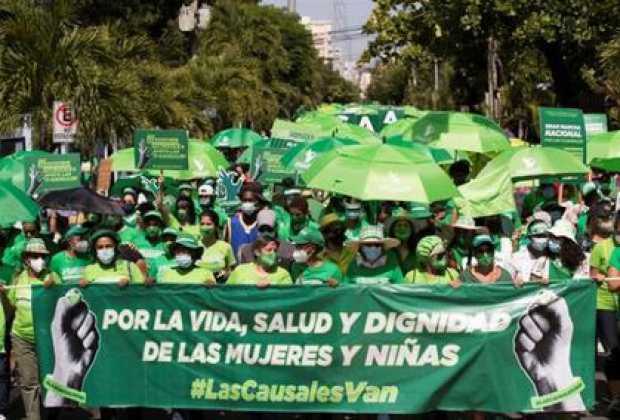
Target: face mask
(267, 259)
(185, 193)
(371, 253)
(37, 264)
(81, 247)
(402, 232)
(153, 231)
(183, 260)
(353, 214)
(300, 256)
(548, 192)
(485, 260)
(205, 201)
(248, 207)
(539, 244)
(128, 208)
(299, 220)
(605, 228)
(207, 230)
(554, 246)
(106, 255)
(439, 264)
(182, 213)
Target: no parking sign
(65, 122)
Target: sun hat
(563, 229)
(35, 246)
(75, 230)
(429, 246)
(206, 190)
(308, 235)
(465, 223)
(187, 241)
(330, 218)
(537, 227)
(482, 239)
(373, 234)
(105, 233)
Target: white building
(322, 38)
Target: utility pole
(493, 64)
(291, 5)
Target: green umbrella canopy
(13, 167)
(204, 161)
(401, 128)
(246, 156)
(309, 131)
(535, 162)
(603, 151)
(380, 172)
(357, 133)
(235, 138)
(473, 140)
(301, 156)
(22, 208)
(439, 155)
(320, 119)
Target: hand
(123, 282)
(75, 341)
(542, 345)
(149, 281)
(263, 284)
(2, 288)
(517, 281)
(49, 282)
(84, 283)
(332, 283)
(455, 284)
(210, 283)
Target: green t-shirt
(197, 275)
(20, 298)
(468, 277)
(285, 229)
(154, 253)
(97, 273)
(318, 274)
(217, 257)
(189, 228)
(247, 274)
(68, 268)
(600, 259)
(422, 277)
(386, 274)
(128, 234)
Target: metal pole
(291, 5)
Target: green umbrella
(460, 131)
(235, 138)
(246, 156)
(535, 162)
(204, 161)
(22, 208)
(401, 128)
(357, 133)
(603, 151)
(320, 119)
(13, 167)
(380, 172)
(301, 156)
(440, 156)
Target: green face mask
(207, 230)
(267, 259)
(485, 260)
(153, 231)
(439, 264)
(299, 220)
(403, 233)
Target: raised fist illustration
(542, 346)
(35, 180)
(143, 154)
(76, 341)
(228, 186)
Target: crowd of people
(292, 235)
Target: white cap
(206, 190)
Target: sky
(343, 14)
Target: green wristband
(575, 387)
(64, 391)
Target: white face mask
(106, 255)
(540, 244)
(300, 256)
(183, 260)
(248, 207)
(81, 247)
(37, 264)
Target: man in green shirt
(149, 242)
(69, 264)
(374, 264)
(310, 265)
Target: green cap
(419, 211)
(153, 214)
(187, 241)
(428, 246)
(129, 190)
(185, 186)
(170, 231)
(35, 246)
(105, 233)
(480, 240)
(75, 230)
(588, 188)
(308, 235)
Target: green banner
(160, 149)
(267, 160)
(563, 128)
(595, 123)
(54, 172)
(398, 349)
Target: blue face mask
(554, 246)
(371, 252)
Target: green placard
(350, 349)
(563, 128)
(55, 172)
(373, 122)
(160, 149)
(266, 161)
(595, 123)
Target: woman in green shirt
(109, 267)
(485, 271)
(218, 256)
(69, 264)
(310, 265)
(400, 226)
(19, 296)
(187, 252)
(433, 264)
(265, 271)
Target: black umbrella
(80, 199)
